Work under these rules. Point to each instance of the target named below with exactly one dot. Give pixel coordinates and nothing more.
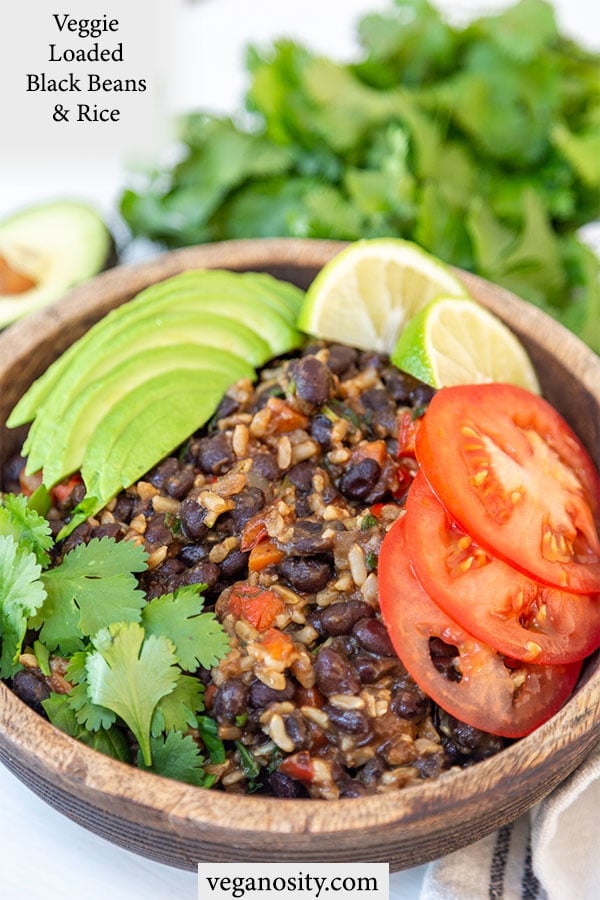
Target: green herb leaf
(92, 716)
(177, 756)
(29, 529)
(129, 673)
(198, 637)
(92, 588)
(177, 711)
(21, 595)
(210, 738)
(111, 741)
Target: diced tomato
(407, 433)
(264, 554)
(258, 606)
(61, 492)
(513, 613)
(284, 417)
(376, 450)
(298, 766)
(513, 474)
(279, 646)
(488, 692)
(253, 531)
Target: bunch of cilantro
(128, 660)
(480, 143)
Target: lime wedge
(457, 341)
(365, 295)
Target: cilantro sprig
(128, 659)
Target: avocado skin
(68, 242)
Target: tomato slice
(516, 615)
(507, 699)
(511, 472)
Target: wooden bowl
(182, 825)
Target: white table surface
(43, 854)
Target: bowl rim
(113, 784)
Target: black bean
(339, 618)
(298, 731)
(307, 574)
(334, 673)
(312, 380)
(31, 687)
(213, 454)
(108, 529)
(261, 694)
(354, 721)
(177, 486)
(352, 789)
(360, 478)
(247, 503)
(320, 430)
(202, 573)
(399, 385)
(231, 700)
(192, 517)
(421, 394)
(429, 766)
(157, 532)
(265, 465)
(226, 407)
(341, 358)
(372, 668)
(442, 657)
(308, 539)
(11, 471)
(383, 422)
(462, 742)
(193, 553)
(164, 470)
(375, 398)
(283, 786)
(235, 565)
(301, 476)
(409, 703)
(123, 508)
(373, 636)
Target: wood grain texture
(180, 825)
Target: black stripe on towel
(498, 864)
(530, 886)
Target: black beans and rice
(308, 461)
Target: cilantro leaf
(129, 673)
(91, 715)
(92, 588)
(110, 741)
(178, 709)
(210, 738)
(21, 595)
(30, 530)
(198, 637)
(177, 756)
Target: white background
(42, 854)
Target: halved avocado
(145, 425)
(98, 358)
(66, 451)
(46, 249)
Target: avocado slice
(145, 425)
(237, 284)
(66, 450)
(247, 287)
(46, 249)
(96, 359)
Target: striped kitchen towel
(553, 853)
